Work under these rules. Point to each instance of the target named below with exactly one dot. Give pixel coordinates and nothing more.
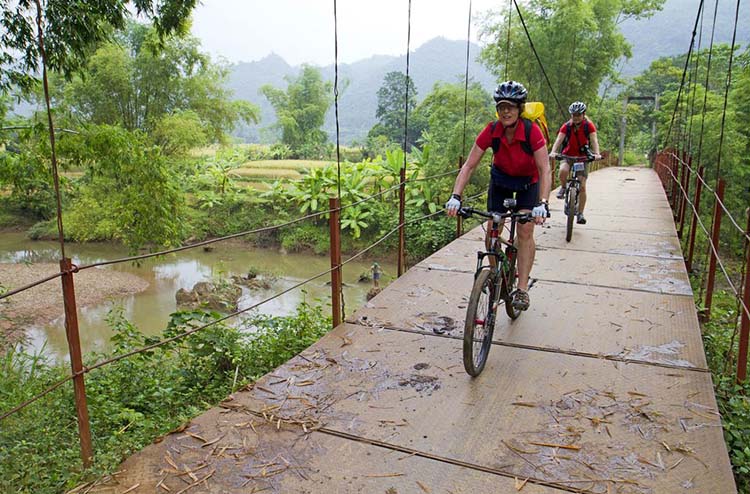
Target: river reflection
(150, 309)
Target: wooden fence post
(684, 191)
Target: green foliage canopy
(71, 31)
(301, 111)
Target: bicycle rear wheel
(570, 206)
(480, 323)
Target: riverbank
(44, 303)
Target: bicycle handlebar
(521, 217)
(587, 159)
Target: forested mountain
(668, 32)
(437, 60)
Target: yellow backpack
(534, 111)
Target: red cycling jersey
(511, 158)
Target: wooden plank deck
(601, 387)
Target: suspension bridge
(601, 387)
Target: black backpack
(525, 145)
(569, 131)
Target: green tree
(142, 79)
(390, 111)
(578, 41)
(130, 191)
(301, 111)
(71, 31)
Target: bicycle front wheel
(480, 323)
(570, 206)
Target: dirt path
(44, 302)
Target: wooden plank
(608, 322)
(556, 418)
(245, 453)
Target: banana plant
(424, 194)
(353, 219)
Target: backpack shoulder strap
(526, 145)
(495, 140)
(586, 128)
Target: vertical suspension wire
(336, 95)
(466, 84)
(406, 92)
(696, 58)
(705, 88)
(338, 140)
(507, 42)
(539, 61)
(53, 153)
(700, 134)
(684, 73)
(726, 92)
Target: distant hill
(437, 60)
(669, 31)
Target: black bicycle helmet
(577, 107)
(510, 91)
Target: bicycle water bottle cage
(510, 203)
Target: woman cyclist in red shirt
(519, 169)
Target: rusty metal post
(76, 361)
(401, 223)
(745, 325)
(685, 190)
(715, 246)
(459, 220)
(694, 222)
(335, 206)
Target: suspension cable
(507, 42)
(694, 79)
(684, 71)
(336, 96)
(466, 83)
(705, 89)
(726, 91)
(539, 60)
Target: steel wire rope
(32, 285)
(466, 84)
(721, 203)
(684, 71)
(163, 342)
(710, 245)
(206, 242)
(705, 88)
(695, 83)
(726, 91)
(152, 346)
(539, 60)
(53, 153)
(727, 356)
(507, 42)
(338, 140)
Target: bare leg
(526, 252)
(582, 195)
(564, 168)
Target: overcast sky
(301, 31)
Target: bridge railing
(68, 270)
(676, 171)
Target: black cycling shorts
(525, 199)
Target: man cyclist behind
(519, 168)
(576, 133)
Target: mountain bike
(492, 283)
(573, 187)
